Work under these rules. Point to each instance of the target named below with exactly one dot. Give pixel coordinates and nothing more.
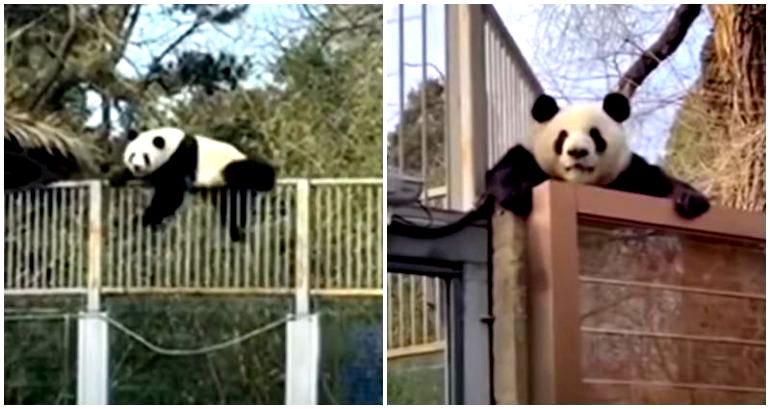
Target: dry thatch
(718, 141)
(43, 150)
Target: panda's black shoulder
(642, 177)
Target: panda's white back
(213, 156)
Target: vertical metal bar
(227, 241)
(401, 161)
(45, 264)
(95, 231)
(25, 272)
(378, 247)
(270, 221)
(288, 250)
(122, 240)
(339, 279)
(132, 233)
(302, 280)
(317, 231)
(238, 253)
(328, 266)
(368, 234)
(274, 243)
(401, 310)
(210, 263)
(424, 308)
(348, 237)
(73, 245)
(189, 236)
(413, 310)
(259, 222)
(424, 101)
(11, 240)
(455, 346)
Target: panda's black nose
(577, 153)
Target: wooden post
(554, 291)
(510, 359)
(466, 105)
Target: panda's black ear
(131, 134)
(616, 106)
(544, 108)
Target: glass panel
(671, 317)
(247, 372)
(416, 339)
(351, 351)
(40, 350)
(417, 379)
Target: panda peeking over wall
(175, 162)
(581, 143)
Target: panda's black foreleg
(644, 178)
(250, 174)
(233, 211)
(512, 179)
(164, 203)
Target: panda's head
(582, 143)
(149, 150)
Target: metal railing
(511, 88)
(323, 234)
(503, 89)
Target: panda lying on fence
(175, 162)
(582, 143)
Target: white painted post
(303, 333)
(93, 330)
(302, 261)
(303, 359)
(93, 358)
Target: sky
(531, 31)
(251, 35)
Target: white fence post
(303, 334)
(93, 330)
(302, 249)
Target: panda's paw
(237, 234)
(151, 221)
(518, 201)
(690, 203)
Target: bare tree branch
(61, 54)
(666, 44)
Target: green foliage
(321, 116)
(413, 121)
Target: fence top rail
(494, 19)
(604, 204)
(281, 181)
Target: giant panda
(582, 143)
(175, 162)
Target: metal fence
(321, 234)
(511, 87)
(504, 89)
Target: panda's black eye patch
(558, 146)
(146, 160)
(601, 144)
(159, 142)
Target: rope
(162, 350)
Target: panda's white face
(149, 150)
(582, 143)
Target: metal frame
(554, 276)
(461, 261)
